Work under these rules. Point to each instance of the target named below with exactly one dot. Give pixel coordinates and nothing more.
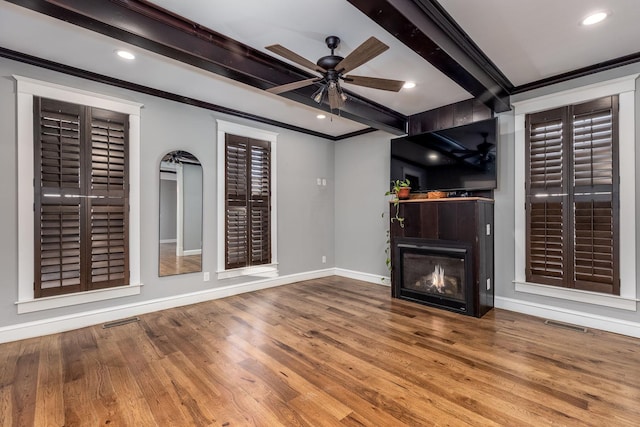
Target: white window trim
(625, 88)
(265, 270)
(26, 89)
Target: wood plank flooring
(324, 352)
(170, 264)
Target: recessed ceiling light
(321, 116)
(125, 54)
(433, 156)
(409, 85)
(594, 18)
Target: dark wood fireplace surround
(462, 222)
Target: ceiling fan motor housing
(329, 62)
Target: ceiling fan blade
(368, 50)
(376, 83)
(292, 56)
(293, 85)
(469, 155)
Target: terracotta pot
(403, 193)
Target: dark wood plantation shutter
(80, 198)
(546, 198)
(109, 199)
(595, 195)
(58, 205)
(572, 194)
(247, 202)
(236, 201)
(260, 224)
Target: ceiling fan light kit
(333, 69)
(317, 96)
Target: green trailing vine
(395, 188)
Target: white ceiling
(530, 40)
(527, 39)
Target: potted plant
(400, 189)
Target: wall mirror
(180, 214)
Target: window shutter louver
(594, 265)
(236, 237)
(59, 255)
(546, 154)
(260, 227)
(108, 200)
(82, 172)
(595, 206)
(58, 204)
(572, 196)
(247, 188)
(546, 243)
(593, 150)
(236, 201)
(546, 198)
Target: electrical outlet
(206, 276)
(319, 181)
(324, 182)
(324, 259)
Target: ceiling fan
(180, 156)
(333, 69)
(483, 152)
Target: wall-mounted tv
(461, 158)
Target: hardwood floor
(324, 352)
(171, 264)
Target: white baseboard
(192, 252)
(167, 240)
(89, 318)
(609, 324)
(365, 277)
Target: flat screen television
(458, 159)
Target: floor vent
(120, 322)
(566, 325)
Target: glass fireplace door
(436, 274)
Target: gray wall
(362, 177)
(504, 214)
(305, 210)
(192, 207)
(168, 209)
(305, 220)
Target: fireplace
(437, 273)
(443, 254)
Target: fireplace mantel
(463, 223)
(421, 198)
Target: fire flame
(437, 278)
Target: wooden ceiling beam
(426, 28)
